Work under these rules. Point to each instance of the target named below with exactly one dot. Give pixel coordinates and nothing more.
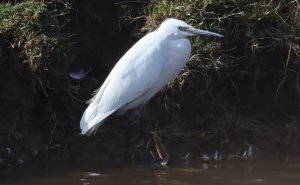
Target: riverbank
(235, 93)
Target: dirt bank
(235, 93)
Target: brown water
(273, 173)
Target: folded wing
(134, 75)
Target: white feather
(149, 65)
(130, 78)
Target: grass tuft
(36, 32)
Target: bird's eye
(182, 28)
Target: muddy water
(273, 173)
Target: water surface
(226, 173)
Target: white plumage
(144, 69)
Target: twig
(13, 128)
(121, 2)
(41, 84)
(284, 73)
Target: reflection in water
(195, 173)
(86, 175)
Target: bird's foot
(156, 143)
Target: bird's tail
(91, 120)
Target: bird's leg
(154, 142)
(133, 116)
(127, 127)
(128, 135)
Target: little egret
(144, 69)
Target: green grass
(253, 30)
(32, 29)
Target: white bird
(145, 68)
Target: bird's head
(179, 29)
